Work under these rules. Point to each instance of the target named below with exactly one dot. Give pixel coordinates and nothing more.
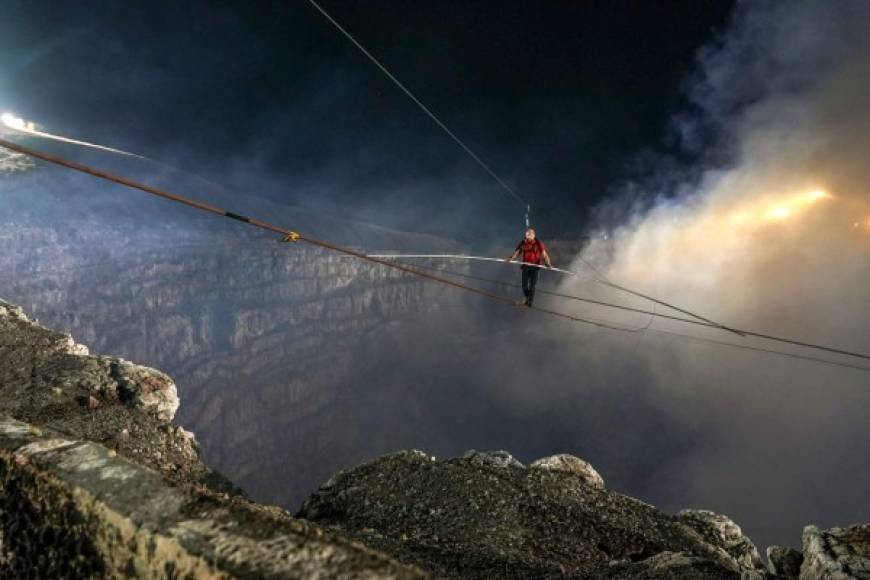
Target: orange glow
(779, 213)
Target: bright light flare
(13, 122)
(22, 126)
(779, 213)
(787, 207)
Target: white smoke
(773, 234)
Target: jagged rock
(14, 317)
(571, 464)
(721, 531)
(68, 363)
(490, 458)
(836, 554)
(784, 562)
(70, 507)
(48, 379)
(145, 388)
(484, 516)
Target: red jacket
(531, 252)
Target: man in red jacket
(532, 251)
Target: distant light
(12, 121)
(779, 213)
(818, 194)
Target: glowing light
(818, 194)
(22, 126)
(779, 213)
(12, 121)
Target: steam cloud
(772, 234)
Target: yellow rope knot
(291, 237)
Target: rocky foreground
(96, 481)
(485, 515)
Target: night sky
(562, 99)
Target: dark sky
(558, 97)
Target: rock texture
(836, 554)
(71, 509)
(722, 532)
(486, 515)
(48, 379)
(784, 562)
(96, 481)
(571, 464)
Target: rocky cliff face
(263, 337)
(97, 482)
(48, 379)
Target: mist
(771, 232)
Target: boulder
(722, 532)
(570, 464)
(145, 388)
(490, 458)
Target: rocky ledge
(485, 515)
(97, 481)
(47, 379)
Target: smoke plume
(769, 231)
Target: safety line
(677, 308)
(742, 331)
(654, 314)
(760, 349)
(423, 107)
(289, 235)
(599, 279)
(292, 236)
(570, 296)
